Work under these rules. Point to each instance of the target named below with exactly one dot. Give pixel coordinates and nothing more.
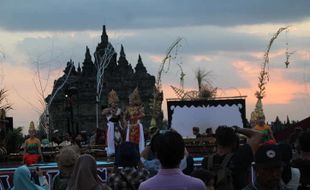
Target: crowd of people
(260, 163)
(164, 164)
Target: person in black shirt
(240, 163)
(268, 169)
(226, 143)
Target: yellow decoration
(112, 97)
(258, 111)
(253, 117)
(31, 126)
(134, 98)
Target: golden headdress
(112, 97)
(253, 118)
(134, 97)
(31, 126)
(258, 112)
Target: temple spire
(124, 67)
(122, 53)
(140, 68)
(88, 67)
(140, 60)
(87, 55)
(69, 64)
(79, 68)
(104, 36)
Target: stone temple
(73, 109)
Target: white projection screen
(184, 115)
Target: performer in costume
(261, 126)
(115, 130)
(133, 114)
(32, 147)
(257, 122)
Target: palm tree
(205, 88)
(201, 76)
(207, 91)
(4, 104)
(14, 140)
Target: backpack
(222, 173)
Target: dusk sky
(227, 38)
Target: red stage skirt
(31, 158)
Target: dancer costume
(134, 113)
(32, 146)
(113, 116)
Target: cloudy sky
(227, 38)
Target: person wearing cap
(32, 147)
(268, 169)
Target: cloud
(57, 48)
(69, 15)
(213, 48)
(299, 109)
(201, 58)
(227, 38)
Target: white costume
(113, 137)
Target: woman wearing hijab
(22, 180)
(84, 176)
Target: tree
(207, 91)
(14, 139)
(157, 93)
(41, 81)
(102, 61)
(201, 76)
(2, 57)
(45, 119)
(4, 104)
(288, 122)
(205, 88)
